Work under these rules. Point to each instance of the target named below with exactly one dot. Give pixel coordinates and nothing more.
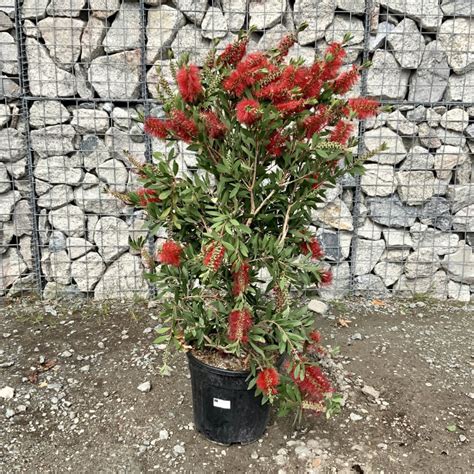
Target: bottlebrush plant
(269, 137)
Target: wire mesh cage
(77, 75)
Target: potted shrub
(269, 136)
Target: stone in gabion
(389, 272)
(90, 121)
(104, 8)
(447, 158)
(336, 215)
(69, 219)
(370, 285)
(8, 54)
(91, 40)
(336, 245)
(341, 283)
(415, 187)
(7, 203)
(456, 36)
(56, 197)
(378, 180)
(460, 196)
(77, 247)
(427, 12)
(418, 159)
(12, 145)
(436, 213)
(87, 270)
(44, 113)
(455, 119)
(395, 238)
(192, 9)
(214, 24)
(369, 230)
(114, 174)
(391, 212)
(124, 33)
(341, 25)
(395, 151)
(367, 255)
(407, 44)
(460, 265)
(234, 12)
(463, 220)
(428, 136)
(317, 13)
(352, 6)
(13, 267)
(189, 40)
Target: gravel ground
(80, 392)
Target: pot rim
(217, 370)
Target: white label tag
(225, 404)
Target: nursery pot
(225, 410)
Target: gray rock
(57, 242)
(463, 220)
(368, 230)
(455, 119)
(69, 219)
(91, 40)
(322, 17)
(460, 265)
(450, 137)
(13, 267)
(5, 22)
(395, 255)
(341, 25)
(62, 37)
(8, 7)
(418, 114)
(90, 121)
(395, 151)
(457, 7)
(415, 187)
(428, 12)
(264, 15)
(111, 237)
(55, 291)
(124, 33)
(94, 199)
(192, 9)
(87, 270)
(77, 247)
(68, 8)
(12, 145)
(460, 87)
(436, 212)
(84, 88)
(470, 131)
(56, 197)
(391, 212)
(368, 253)
(460, 196)
(114, 173)
(378, 180)
(124, 68)
(162, 27)
(442, 243)
(395, 238)
(123, 277)
(45, 78)
(422, 263)
(92, 152)
(336, 214)
(54, 140)
(123, 118)
(459, 292)
(385, 78)
(370, 285)
(397, 122)
(336, 245)
(378, 40)
(234, 12)
(7, 204)
(22, 218)
(389, 272)
(34, 9)
(7, 393)
(407, 44)
(318, 307)
(5, 115)
(456, 36)
(189, 40)
(214, 24)
(153, 78)
(50, 112)
(8, 54)
(447, 158)
(146, 387)
(59, 170)
(428, 137)
(117, 141)
(57, 267)
(5, 180)
(104, 8)
(352, 6)
(370, 391)
(432, 117)
(418, 159)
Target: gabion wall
(76, 73)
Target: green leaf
(451, 428)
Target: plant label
(225, 404)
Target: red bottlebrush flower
(342, 132)
(247, 111)
(241, 279)
(334, 56)
(147, 196)
(364, 108)
(315, 336)
(284, 46)
(240, 323)
(170, 253)
(313, 247)
(213, 255)
(291, 107)
(234, 52)
(315, 123)
(183, 127)
(268, 380)
(314, 385)
(214, 126)
(309, 80)
(276, 145)
(346, 81)
(157, 128)
(188, 79)
(326, 278)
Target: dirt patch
(409, 378)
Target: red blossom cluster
(346, 81)
(170, 254)
(188, 79)
(363, 107)
(326, 278)
(240, 323)
(341, 132)
(268, 380)
(214, 126)
(234, 52)
(313, 247)
(213, 255)
(146, 196)
(247, 111)
(314, 385)
(179, 126)
(284, 46)
(241, 279)
(276, 144)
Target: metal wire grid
(78, 73)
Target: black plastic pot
(225, 410)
